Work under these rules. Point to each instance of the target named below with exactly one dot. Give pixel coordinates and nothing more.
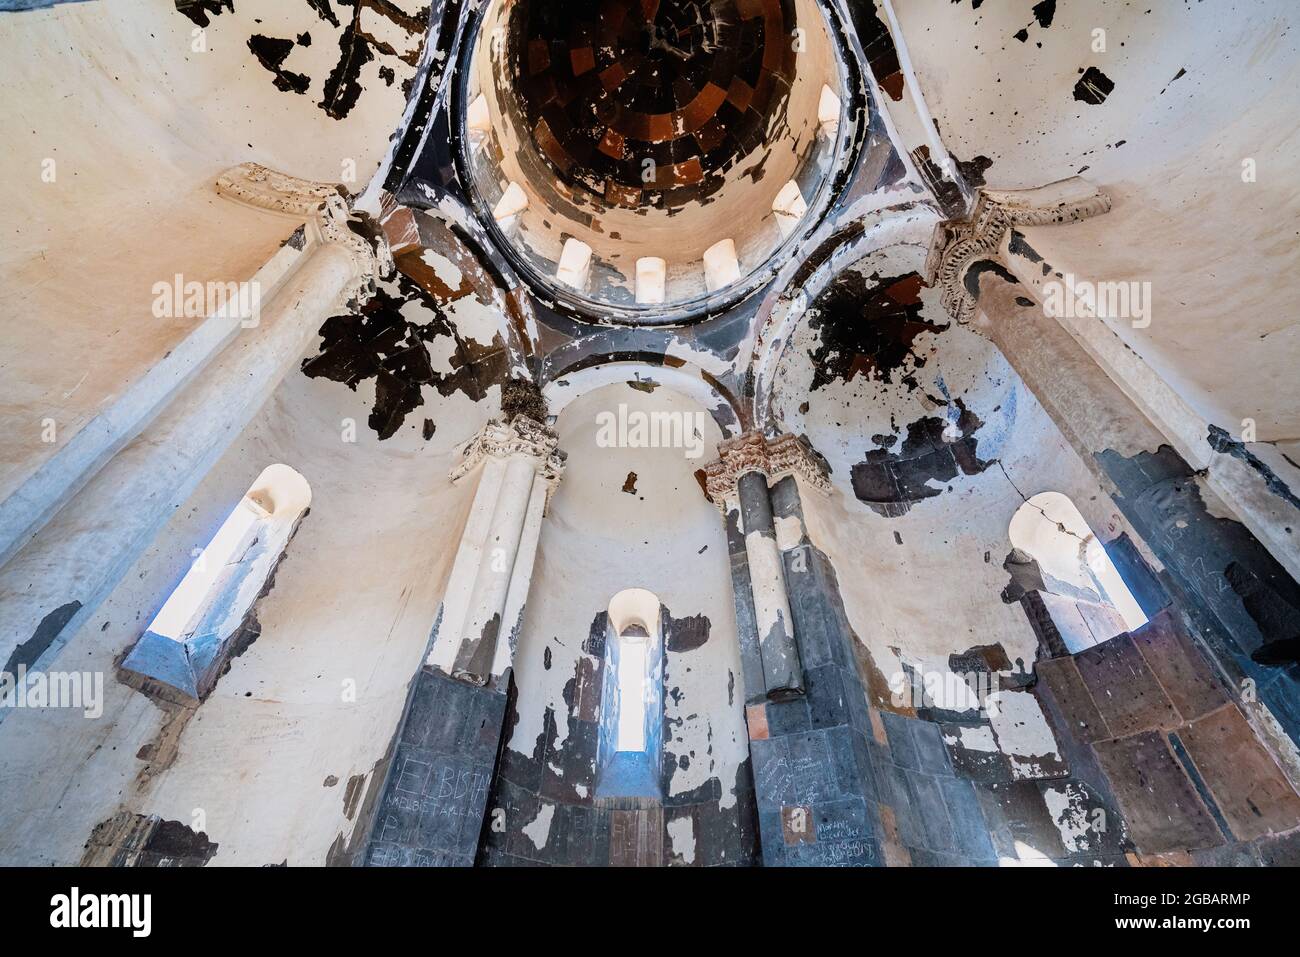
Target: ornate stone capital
(325, 204)
(519, 436)
(958, 244)
(753, 452)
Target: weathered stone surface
(1179, 666)
(1245, 781)
(1075, 701)
(1163, 810)
(1124, 689)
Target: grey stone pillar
(1240, 599)
(430, 807)
(76, 526)
(806, 707)
(738, 482)
(782, 671)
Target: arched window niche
(1077, 583)
(630, 747)
(189, 640)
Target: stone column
(739, 483)
(520, 467)
(77, 525)
(813, 779)
(1232, 589)
(430, 808)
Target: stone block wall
(431, 808)
(543, 810)
(1192, 778)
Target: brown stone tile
(1078, 709)
(590, 677)
(1124, 689)
(740, 94)
(636, 838)
(896, 855)
(1179, 666)
(1246, 783)
(582, 60)
(612, 145)
(877, 726)
(1170, 859)
(756, 719)
(539, 57)
(1160, 804)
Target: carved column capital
(754, 452)
(957, 244)
(324, 204)
(520, 435)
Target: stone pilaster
(806, 708)
(443, 761)
(738, 482)
(99, 502)
(1232, 590)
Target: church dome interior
(643, 138)
(650, 433)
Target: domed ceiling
(692, 86)
(636, 131)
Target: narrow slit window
(630, 744)
(187, 641)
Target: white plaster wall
(1220, 253)
(598, 540)
(928, 583)
(139, 125)
(353, 601)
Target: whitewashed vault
(693, 433)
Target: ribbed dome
(634, 98)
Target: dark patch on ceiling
(133, 840)
(1222, 442)
(1017, 246)
(199, 10)
(685, 634)
(522, 397)
(381, 344)
(342, 86)
(271, 52)
(869, 326)
(972, 278)
(891, 482)
(1093, 87)
(325, 11)
(26, 653)
(973, 170)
